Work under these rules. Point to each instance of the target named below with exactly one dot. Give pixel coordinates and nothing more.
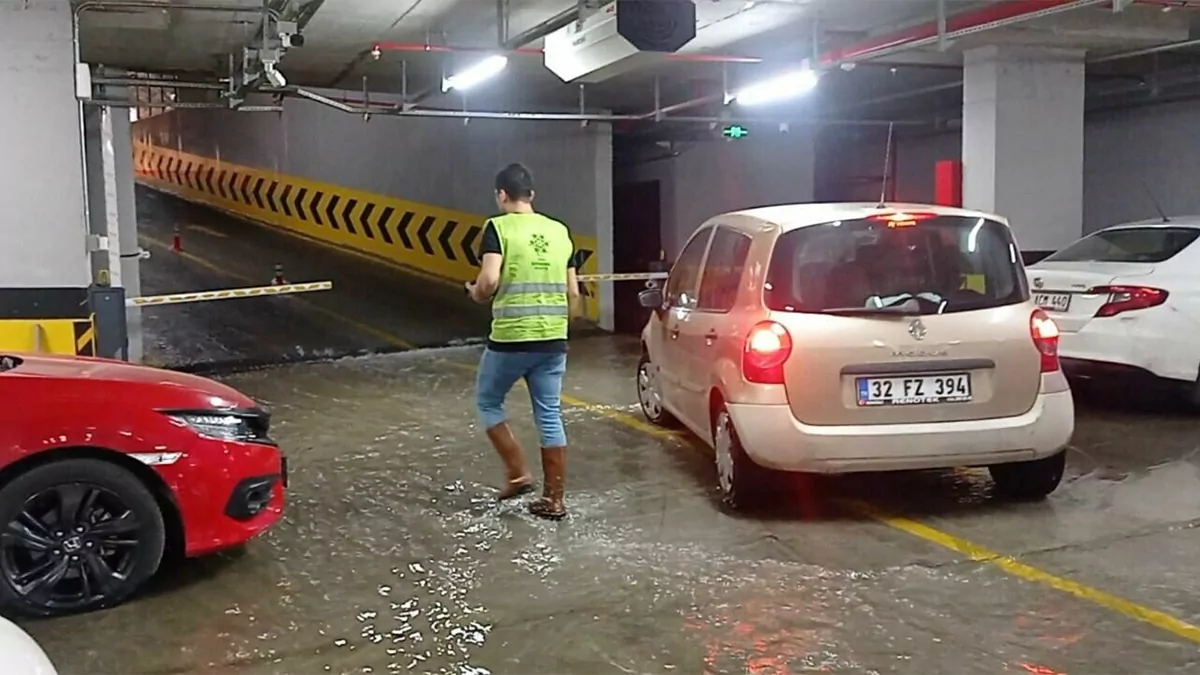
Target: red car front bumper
(227, 492)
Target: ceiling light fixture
(485, 69)
(789, 85)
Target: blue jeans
(542, 372)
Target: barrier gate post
(108, 316)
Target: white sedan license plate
(1055, 302)
(914, 390)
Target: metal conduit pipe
(524, 51)
(88, 5)
(586, 117)
(1108, 58)
(126, 103)
(560, 20)
(998, 15)
(1159, 49)
(170, 84)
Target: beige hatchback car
(837, 338)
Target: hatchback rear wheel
(1029, 480)
(740, 479)
(79, 535)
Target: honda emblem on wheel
(916, 329)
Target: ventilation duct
(619, 37)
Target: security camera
(289, 34)
(275, 77)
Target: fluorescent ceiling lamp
(487, 68)
(788, 85)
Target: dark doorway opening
(637, 243)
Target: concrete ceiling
(340, 34)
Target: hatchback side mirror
(651, 298)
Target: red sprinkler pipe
(927, 33)
(1000, 11)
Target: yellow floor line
(1027, 572)
(973, 552)
(390, 338)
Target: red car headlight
(223, 425)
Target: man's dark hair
(516, 181)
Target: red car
(108, 468)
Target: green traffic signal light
(735, 131)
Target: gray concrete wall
(442, 162)
(1159, 145)
(713, 177)
(1155, 144)
(41, 186)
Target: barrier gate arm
(287, 289)
(228, 294)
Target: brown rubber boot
(520, 481)
(551, 505)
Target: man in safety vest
(527, 272)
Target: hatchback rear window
(1129, 244)
(926, 263)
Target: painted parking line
(972, 551)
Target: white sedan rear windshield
(931, 264)
(1129, 244)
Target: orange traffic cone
(176, 241)
(278, 280)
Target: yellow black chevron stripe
(438, 241)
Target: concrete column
(603, 184)
(41, 182)
(1022, 139)
(131, 277)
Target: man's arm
(491, 259)
(488, 279)
(573, 295)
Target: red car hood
(104, 370)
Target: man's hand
(475, 294)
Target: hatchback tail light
(1126, 298)
(767, 348)
(1045, 338)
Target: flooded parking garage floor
(393, 556)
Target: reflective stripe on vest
(512, 311)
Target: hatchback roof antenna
(887, 165)
(1154, 200)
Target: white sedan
(20, 654)
(1127, 299)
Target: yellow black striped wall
(48, 320)
(438, 241)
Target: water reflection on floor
(394, 557)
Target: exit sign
(735, 131)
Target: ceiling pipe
(541, 30)
(1170, 47)
(1108, 58)
(997, 15)
(169, 84)
(396, 111)
(528, 51)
